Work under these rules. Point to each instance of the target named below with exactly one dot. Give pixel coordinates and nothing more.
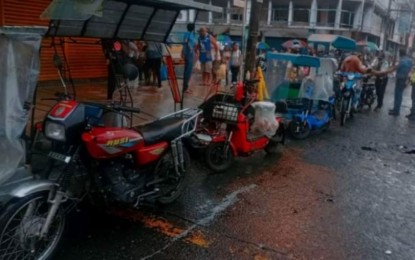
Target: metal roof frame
(149, 20)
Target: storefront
(85, 58)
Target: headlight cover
(55, 131)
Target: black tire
(176, 190)
(216, 160)
(303, 133)
(275, 141)
(343, 112)
(31, 226)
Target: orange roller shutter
(85, 61)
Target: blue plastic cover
(295, 59)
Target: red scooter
(226, 129)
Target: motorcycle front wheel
(343, 112)
(219, 157)
(174, 183)
(21, 223)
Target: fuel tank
(110, 142)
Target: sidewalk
(152, 100)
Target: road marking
(164, 226)
(226, 202)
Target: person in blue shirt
(207, 49)
(402, 74)
(188, 54)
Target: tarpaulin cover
(19, 54)
(319, 84)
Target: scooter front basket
(225, 112)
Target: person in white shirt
(380, 63)
(235, 62)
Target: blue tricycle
(302, 88)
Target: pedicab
(88, 160)
(302, 88)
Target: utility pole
(253, 30)
(385, 24)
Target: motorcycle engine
(120, 180)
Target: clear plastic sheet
(265, 122)
(76, 10)
(319, 84)
(19, 53)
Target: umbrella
(294, 44)
(224, 39)
(371, 46)
(262, 46)
(337, 41)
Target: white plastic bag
(265, 122)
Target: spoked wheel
(219, 157)
(300, 130)
(343, 112)
(174, 183)
(21, 225)
(274, 142)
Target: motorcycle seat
(166, 129)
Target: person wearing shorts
(204, 48)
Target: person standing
(411, 116)
(226, 56)
(235, 62)
(204, 48)
(154, 54)
(402, 73)
(188, 54)
(380, 64)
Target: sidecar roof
(149, 20)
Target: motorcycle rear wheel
(216, 159)
(21, 222)
(176, 188)
(303, 133)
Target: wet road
(347, 193)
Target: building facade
(371, 20)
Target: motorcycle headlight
(350, 76)
(55, 131)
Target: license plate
(60, 157)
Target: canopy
(150, 20)
(19, 52)
(295, 59)
(371, 46)
(337, 41)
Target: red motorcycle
(128, 165)
(227, 132)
